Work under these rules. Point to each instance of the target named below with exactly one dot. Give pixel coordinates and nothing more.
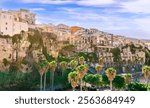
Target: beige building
(13, 22)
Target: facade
(13, 22)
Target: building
(13, 22)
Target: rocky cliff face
(22, 51)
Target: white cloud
(82, 14)
(137, 6)
(48, 1)
(37, 9)
(95, 2)
(79, 2)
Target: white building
(13, 22)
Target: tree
(98, 69)
(119, 82)
(45, 63)
(136, 86)
(52, 66)
(116, 54)
(111, 74)
(95, 80)
(63, 66)
(146, 72)
(67, 50)
(81, 70)
(73, 79)
(127, 78)
(73, 64)
(81, 60)
(42, 67)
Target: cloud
(78, 2)
(136, 6)
(37, 9)
(48, 1)
(94, 2)
(82, 14)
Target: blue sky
(129, 18)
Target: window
(6, 23)
(6, 28)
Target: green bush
(13, 81)
(119, 82)
(105, 80)
(135, 86)
(92, 79)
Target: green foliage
(93, 79)
(73, 64)
(135, 86)
(73, 75)
(116, 54)
(63, 58)
(62, 80)
(16, 38)
(146, 68)
(92, 57)
(105, 80)
(43, 63)
(47, 55)
(119, 82)
(67, 49)
(83, 54)
(110, 70)
(147, 57)
(81, 68)
(5, 62)
(18, 81)
(13, 67)
(81, 58)
(36, 39)
(53, 63)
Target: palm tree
(52, 66)
(73, 64)
(101, 61)
(81, 70)
(127, 78)
(146, 72)
(81, 60)
(111, 74)
(46, 69)
(73, 79)
(63, 66)
(42, 70)
(98, 68)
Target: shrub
(5, 62)
(105, 80)
(119, 82)
(92, 79)
(135, 86)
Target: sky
(129, 18)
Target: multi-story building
(13, 22)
